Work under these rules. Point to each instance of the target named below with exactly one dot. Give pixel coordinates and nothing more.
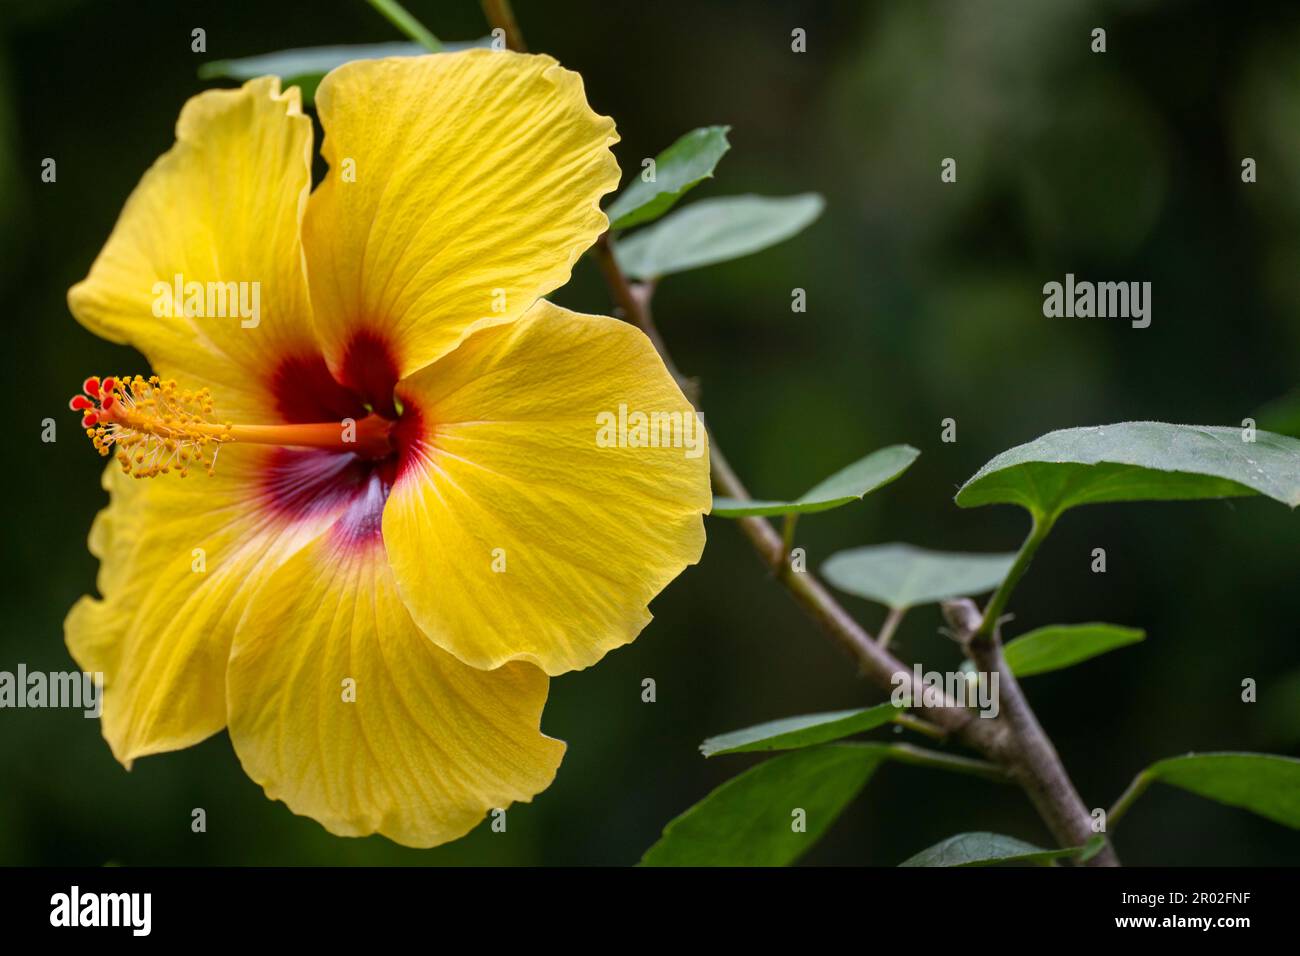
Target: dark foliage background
(924, 303)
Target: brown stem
(499, 14)
(1032, 759)
(633, 303)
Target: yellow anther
(153, 424)
(152, 427)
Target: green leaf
(902, 576)
(849, 484)
(715, 230)
(792, 733)
(1261, 783)
(313, 61)
(985, 849)
(678, 169)
(1137, 461)
(1064, 645)
(305, 67)
(748, 820)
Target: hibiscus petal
(461, 187)
(179, 561)
(514, 534)
(424, 748)
(224, 205)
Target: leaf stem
(398, 16)
(921, 757)
(1127, 798)
(787, 536)
(920, 726)
(890, 625)
(1038, 532)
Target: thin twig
(499, 14)
(632, 302)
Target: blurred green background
(924, 303)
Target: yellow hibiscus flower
(410, 521)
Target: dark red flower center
(303, 484)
